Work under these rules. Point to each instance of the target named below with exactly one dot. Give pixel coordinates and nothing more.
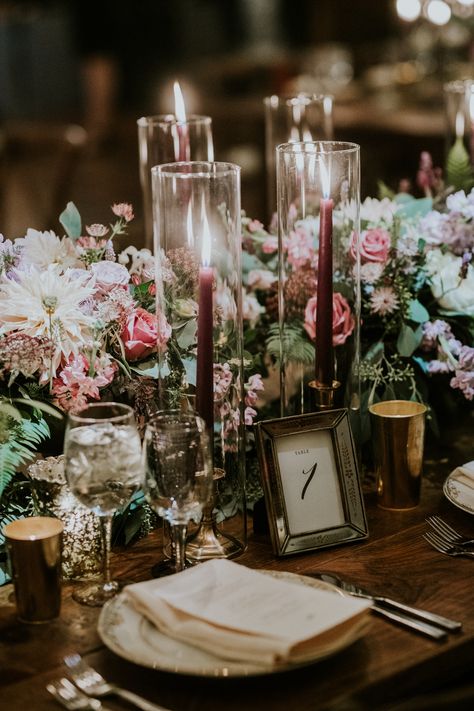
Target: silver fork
(448, 548)
(92, 683)
(447, 532)
(71, 698)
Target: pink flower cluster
(77, 383)
(464, 373)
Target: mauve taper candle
(205, 345)
(324, 364)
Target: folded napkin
(465, 474)
(241, 614)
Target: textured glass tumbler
(199, 304)
(34, 548)
(305, 117)
(164, 139)
(319, 276)
(398, 430)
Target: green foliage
(459, 174)
(71, 221)
(294, 344)
(19, 443)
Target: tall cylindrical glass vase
(199, 295)
(319, 281)
(164, 139)
(291, 119)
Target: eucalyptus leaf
(459, 174)
(375, 353)
(408, 340)
(71, 221)
(187, 336)
(417, 312)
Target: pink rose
(374, 245)
(342, 319)
(144, 333)
(109, 275)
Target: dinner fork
(448, 548)
(71, 698)
(447, 532)
(92, 683)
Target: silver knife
(387, 605)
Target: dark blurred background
(76, 75)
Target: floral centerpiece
(417, 295)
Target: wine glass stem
(106, 522)
(179, 537)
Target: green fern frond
(19, 448)
(459, 174)
(292, 343)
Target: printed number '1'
(311, 472)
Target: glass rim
(77, 417)
(302, 97)
(171, 120)
(196, 168)
(412, 406)
(458, 85)
(322, 147)
(177, 417)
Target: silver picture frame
(311, 481)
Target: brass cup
(34, 548)
(398, 429)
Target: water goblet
(178, 472)
(103, 466)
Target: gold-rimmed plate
(130, 635)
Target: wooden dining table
(390, 667)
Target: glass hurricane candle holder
(459, 102)
(165, 139)
(291, 119)
(199, 294)
(319, 280)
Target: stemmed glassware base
(96, 593)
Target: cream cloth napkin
(241, 614)
(465, 474)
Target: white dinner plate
(127, 633)
(459, 494)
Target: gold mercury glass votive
(82, 542)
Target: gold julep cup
(398, 429)
(34, 547)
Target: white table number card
(311, 481)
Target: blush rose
(342, 319)
(373, 245)
(144, 333)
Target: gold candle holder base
(325, 395)
(208, 542)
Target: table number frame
(311, 481)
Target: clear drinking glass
(178, 472)
(103, 466)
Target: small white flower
(371, 272)
(383, 301)
(374, 211)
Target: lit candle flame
(325, 178)
(179, 110)
(459, 124)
